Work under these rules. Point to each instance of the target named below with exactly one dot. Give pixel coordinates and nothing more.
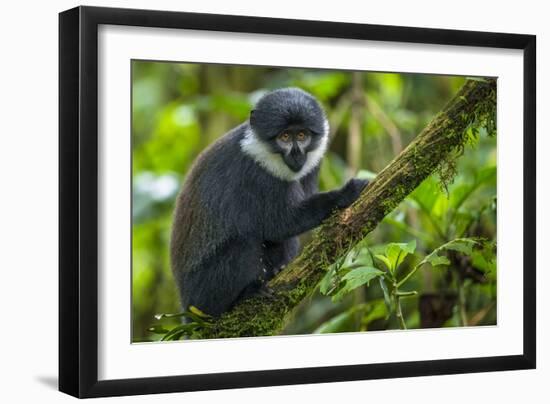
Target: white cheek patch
(273, 162)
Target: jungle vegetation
(418, 250)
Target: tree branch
(436, 148)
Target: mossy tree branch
(435, 149)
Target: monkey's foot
(266, 292)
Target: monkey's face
(294, 143)
(290, 133)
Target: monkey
(247, 198)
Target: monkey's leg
(219, 282)
(278, 254)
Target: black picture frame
(78, 200)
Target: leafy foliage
(356, 275)
(179, 109)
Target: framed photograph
(251, 201)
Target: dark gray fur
(279, 109)
(235, 224)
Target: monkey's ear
(251, 119)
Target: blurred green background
(179, 109)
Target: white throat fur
(274, 163)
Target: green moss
(475, 108)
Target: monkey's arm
(309, 213)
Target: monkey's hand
(350, 192)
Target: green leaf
(438, 260)
(366, 175)
(348, 259)
(328, 281)
(157, 329)
(406, 247)
(463, 246)
(160, 316)
(385, 260)
(362, 275)
(176, 335)
(358, 258)
(179, 331)
(198, 312)
(410, 247)
(355, 278)
(188, 314)
(397, 252)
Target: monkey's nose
(296, 161)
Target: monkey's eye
(301, 136)
(285, 137)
